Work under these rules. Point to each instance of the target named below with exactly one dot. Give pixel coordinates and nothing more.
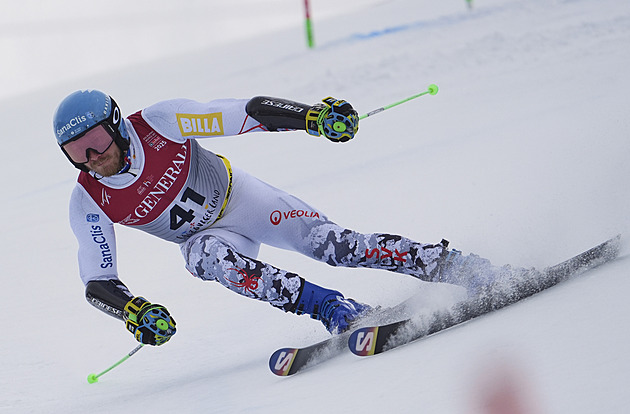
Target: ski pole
(431, 90)
(92, 378)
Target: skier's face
(107, 163)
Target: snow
(520, 158)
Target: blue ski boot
(330, 307)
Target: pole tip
(92, 378)
(433, 89)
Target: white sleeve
(95, 233)
(181, 119)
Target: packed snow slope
(522, 157)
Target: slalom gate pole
(92, 378)
(309, 27)
(431, 90)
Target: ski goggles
(98, 139)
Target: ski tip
(612, 247)
(281, 361)
(362, 342)
(616, 241)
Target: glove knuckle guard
(335, 119)
(150, 323)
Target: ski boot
(479, 276)
(330, 307)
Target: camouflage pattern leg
(429, 262)
(337, 246)
(208, 258)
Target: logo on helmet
(116, 116)
(73, 123)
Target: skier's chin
(108, 166)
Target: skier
(148, 171)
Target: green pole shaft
(309, 26)
(92, 378)
(431, 90)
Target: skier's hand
(149, 323)
(335, 119)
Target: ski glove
(149, 323)
(335, 119)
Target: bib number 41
(179, 216)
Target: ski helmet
(82, 110)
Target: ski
(289, 361)
(380, 338)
